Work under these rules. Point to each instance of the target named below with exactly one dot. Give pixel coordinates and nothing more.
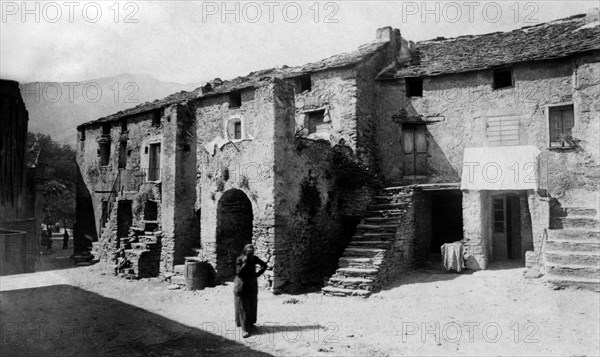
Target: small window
(106, 129)
(315, 121)
(82, 134)
(104, 154)
(234, 129)
(235, 99)
(561, 122)
(303, 84)
(503, 78)
(123, 154)
(124, 125)
(414, 87)
(156, 117)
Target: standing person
(245, 288)
(66, 239)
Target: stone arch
(234, 229)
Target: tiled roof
(555, 39)
(253, 79)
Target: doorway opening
(234, 230)
(124, 219)
(506, 227)
(446, 218)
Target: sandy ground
(84, 311)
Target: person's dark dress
(245, 291)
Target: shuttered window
(503, 131)
(561, 121)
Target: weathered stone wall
(246, 165)
(460, 104)
(476, 230)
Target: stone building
(349, 170)
(20, 196)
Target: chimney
(384, 34)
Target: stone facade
(311, 164)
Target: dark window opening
(414, 87)
(104, 154)
(235, 99)
(154, 163)
(124, 125)
(503, 78)
(122, 154)
(104, 217)
(156, 117)
(82, 134)
(106, 129)
(237, 130)
(186, 147)
(315, 121)
(303, 83)
(561, 121)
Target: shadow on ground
(62, 320)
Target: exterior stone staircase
(366, 261)
(572, 254)
(143, 249)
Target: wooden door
(414, 150)
(499, 234)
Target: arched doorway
(234, 229)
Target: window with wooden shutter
(503, 131)
(561, 121)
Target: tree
(60, 184)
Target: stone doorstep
(179, 269)
(574, 270)
(573, 246)
(178, 279)
(333, 291)
(573, 234)
(585, 223)
(562, 257)
(582, 283)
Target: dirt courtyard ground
(85, 311)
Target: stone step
(359, 262)
(575, 282)
(402, 189)
(573, 235)
(143, 246)
(583, 271)
(376, 228)
(388, 220)
(356, 272)
(387, 206)
(580, 211)
(573, 246)
(370, 244)
(351, 283)
(395, 213)
(392, 196)
(363, 252)
(374, 236)
(194, 258)
(584, 223)
(333, 291)
(564, 258)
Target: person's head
(248, 250)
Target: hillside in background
(55, 109)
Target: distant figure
(121, 261)
(47, 238)
(245, 289)
(66, 239)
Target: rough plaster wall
(306, 204)
(539, 208)
(94, 177)
(475, 229)
(463, 102)
(335, 90)
(248, 164)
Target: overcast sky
(194, 41)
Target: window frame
(307, 119)
(226, 123)
(548, 127)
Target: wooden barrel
(196, 275)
